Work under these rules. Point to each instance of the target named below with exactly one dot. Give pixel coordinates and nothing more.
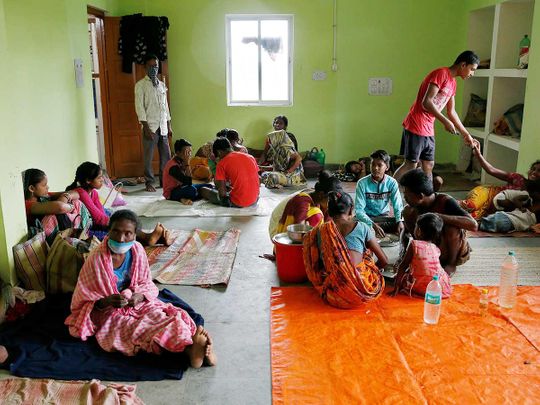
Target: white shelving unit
(494, 33)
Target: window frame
(259, 17)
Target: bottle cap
(436, 277)
(485, 291)
(511, 253)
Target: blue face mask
(119, 247)
(152, 72)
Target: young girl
(358, 236)
(53, 210)
(421, 260)
(479, 201)
(89, 179)
(234, 138)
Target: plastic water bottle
(484, 302)
(321, 156)
(524, 46)
(432, 303)
(509, 279)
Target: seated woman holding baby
(116, 301)
(283, 162)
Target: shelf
(483, 73)
(477, 132)
(510, 73)
(519, 73)
(506, 141)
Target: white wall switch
(319, 75)
(79, 80)
(379, 86)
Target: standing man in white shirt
(153, 113)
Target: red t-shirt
(419, 121)
(169, 182)
(242, 173)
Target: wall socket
(319, 75)
(379, 86)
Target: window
(259, 59)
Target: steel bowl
(297, 231)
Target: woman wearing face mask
(116, 301)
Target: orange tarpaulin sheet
(384, 353)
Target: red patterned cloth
(150, 326)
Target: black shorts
(416, 147)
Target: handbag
(312, 154)
(311, 165)
(64, 262)
(30, 262)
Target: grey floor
(238, 317)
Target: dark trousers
(189, 192)
(162, 143)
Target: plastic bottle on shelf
(432, 303)
(508, 283)
(524, 45)
(484, 302)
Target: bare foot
(268, 256)
(3, 354)
(150, 188)
(210, 358)
(155, 235)
(197, 351)
(186, 201)
(166, 237)
(450, 269)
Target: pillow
(476, 114)
(514, 118)
(30, 262)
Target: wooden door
(124, 141)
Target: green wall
(400, 39)
(47, 122)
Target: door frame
(103, 86)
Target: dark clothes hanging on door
(140, 36)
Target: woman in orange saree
(337, 279)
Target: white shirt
(151, 104)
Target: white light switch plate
(79, 81)
(319, 75)
(379, 86)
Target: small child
(421, 260)
(355, 170)
(515, 211)
(358, 236)
(374, 193)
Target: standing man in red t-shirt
(436, 91)
(236, 171)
